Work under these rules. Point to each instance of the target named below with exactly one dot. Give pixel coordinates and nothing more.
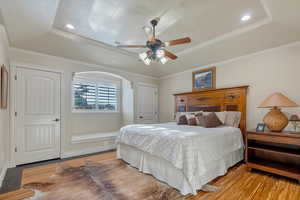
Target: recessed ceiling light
(246, 18)
(70, 26)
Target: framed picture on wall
(204, 79)
(4, 87)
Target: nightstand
(277, 153)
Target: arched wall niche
(109, 121)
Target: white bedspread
(188, 148)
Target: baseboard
(3, 173)
(90, 150)
(96, 137)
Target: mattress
(185, 157)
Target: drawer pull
(231, 97)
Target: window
(95, 96)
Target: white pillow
(222, 116)
(233, 118)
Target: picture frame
(4, 87)
(204, 79)
(260, 127)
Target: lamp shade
(277, 100)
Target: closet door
(37, 107)
(147, 103)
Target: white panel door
(37, 106)
(147, 103)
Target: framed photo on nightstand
(260, 127)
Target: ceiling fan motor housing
(154, 46)
(155, 21)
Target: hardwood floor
(238, 184)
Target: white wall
(76, 125)
(4, 113)
(275, 70)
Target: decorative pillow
(179, 114)
(191, 119)
(199, 113)
(233, 118)
(221, 115)
(209, 120)
(182, 120)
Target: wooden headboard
(215, 100)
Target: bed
(188, 157)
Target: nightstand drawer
(274, 139)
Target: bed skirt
(164, 171)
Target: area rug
(108, 180)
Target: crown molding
(81, 38)
(108, 68)
(266, 8)
(225, 36)
(233, 59)
(4, 32)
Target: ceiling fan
(157, 51)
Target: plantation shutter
(107, 97)
(95, 96)
(84, 95)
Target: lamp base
(275, 120)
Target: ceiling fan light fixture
(147, 61)
(164, 60)
(160, 53)
(143, 56)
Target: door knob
(56, 120)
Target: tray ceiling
(121, 21)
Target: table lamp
(275, 120)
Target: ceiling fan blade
(132, 46)
(178, 41)
(170, 55)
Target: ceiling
(215, 27)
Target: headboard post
(215, 100)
